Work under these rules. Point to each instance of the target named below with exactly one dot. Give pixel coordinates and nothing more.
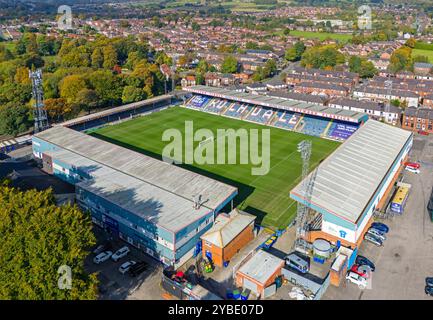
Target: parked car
(415, 165)
(361, 260)
(428, 290)
(102, 247)
(424, 133)
(370, 238)
(361, 270)
(126, 266)
(377, 233)
(429, 281)
(137, 269)
(413, 170)
(103, 256)
(119, 254)
(355, 278)
(380, 226)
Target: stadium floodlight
(39, 112)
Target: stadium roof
(278, 103)
(116, 110)
(226, 228)
(145, 200)
(347, 180)
(173, 179)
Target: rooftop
(180, 182)
(145, 200)
(347, 180)
(261, 266)
(226, 228)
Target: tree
(401, 59)
(411, 43)
(87, 99)
(295, 52)
(229, 65)
(70, 86)
(110, 57)
(323, 57)
(107, 86)
(97, 58)
(5, 54)
(57, 109)
(132, 94)
(38, 238)
(14, 119)
(22, 76)
(195, 26)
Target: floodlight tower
(39, 112)
(304, 148)
(388, 87)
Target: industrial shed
(259, 273)
(229, 234)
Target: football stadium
(114, 159)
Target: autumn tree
(229, 65)
(37, 239)
(70, 86)
(97, 58)
(110, 57)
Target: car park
(378, 234)
(126, 266)
(380, 226)
(103, 256)
(137, 269)
(357, 279)
(370, 238)
(119, 254)
(413, 170)
(361, 260)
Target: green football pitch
(266, 196)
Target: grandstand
(307, 118)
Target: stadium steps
(298, 125)
(273, 119)
(247, 114)
(316, 223)
(325, 133)
(227, 108)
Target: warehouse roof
(140, 198)
(178, 181)
(261, 266)
(226, 228)
(347, 180)
(278, 103)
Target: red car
(424, 133)
(414, 165)
(356, 268)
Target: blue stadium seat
(260, 115)
(313, 126)
(237, 110)
(216, 105)
(287, 120)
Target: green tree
(38, 238)
(70, 86)
(87, 99)
(97, 58)
(110, 57)
(132, 94)
(14, 119)
(229, 65)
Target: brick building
(229, 234)
(418, 119)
